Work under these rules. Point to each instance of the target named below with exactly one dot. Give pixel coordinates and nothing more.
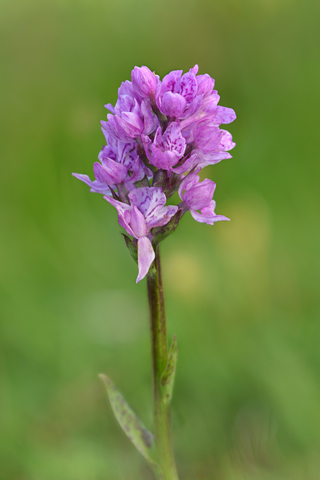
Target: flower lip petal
(208, 215)
(208, 218)
(146, 256)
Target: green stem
(159, 360)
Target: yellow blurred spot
(184, 274)
(244, 251)
(246, 239)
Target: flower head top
(159, 135)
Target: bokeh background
(242, 297)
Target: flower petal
(199, 196)
(207, 214)
(138, 223)
(111, 172)
(147, 199)
(173, 104)
(187, 165)
(161, 216)
(143, 80)
(146, 256)
(225, 114)
(149, 118)
(205, 84)
(188, 86)
(124, 214)
(95, 186)
(207, 218)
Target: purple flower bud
(143, 81)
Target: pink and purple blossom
(159, 135)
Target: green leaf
(132, 426)
(167, 378)
(131, 247)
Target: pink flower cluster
(159, 135)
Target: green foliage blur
(242, 297)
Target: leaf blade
(131, 247)
(132, 426)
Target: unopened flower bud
(144, 81)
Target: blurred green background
(242, 297)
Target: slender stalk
(159, 344)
